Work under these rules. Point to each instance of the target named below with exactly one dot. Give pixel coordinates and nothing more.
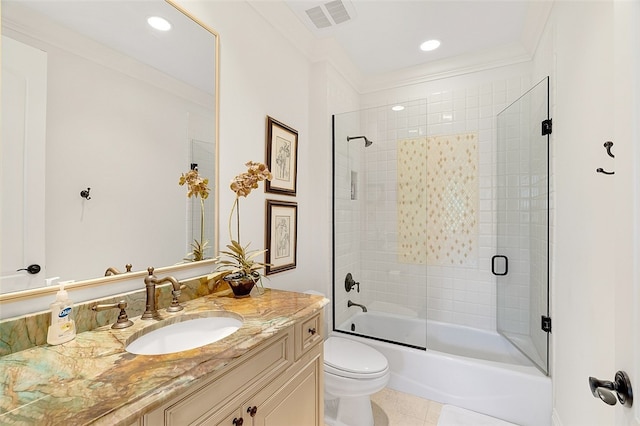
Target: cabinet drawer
(268, 361)
(308, 333)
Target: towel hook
(85, 193)
(603, 171)
(607, 146)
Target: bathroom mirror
(116, 111)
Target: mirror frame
(25, 295)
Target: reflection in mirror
(92, 153)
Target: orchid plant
(197, 186)
(239, 260)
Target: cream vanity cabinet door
(296, 403)
(296, 397)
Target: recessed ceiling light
(159, 23)
(430, 45)
(397, 108)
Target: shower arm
(367, 142)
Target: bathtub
(466, 367)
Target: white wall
(627, 136)
(262, 74)
(576, 49)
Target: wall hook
(603, 171)
(85, 193)
(607, 146)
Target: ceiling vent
(331, 13)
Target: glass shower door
(521, 264)
(379, 279)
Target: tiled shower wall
(464, 295)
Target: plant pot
(240, 284)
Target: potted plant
(238, 265)
(197, 186)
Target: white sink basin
(184, 333)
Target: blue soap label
(65, 312)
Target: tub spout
(350, 304)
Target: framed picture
(281, 236)
(282, 157)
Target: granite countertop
(93, 380)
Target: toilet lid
(349, 358)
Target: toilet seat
(348, 358)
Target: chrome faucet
(150, 282)
(350, 304)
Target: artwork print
(282, 157)
(281, 236)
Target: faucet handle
(175, 305)
(150, 269)
(123, 319)
(349, 283)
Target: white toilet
(352, 373)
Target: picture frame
(282, 157)
(281, 236)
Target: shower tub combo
(406, 221)
(466, 367)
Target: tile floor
(394, 408)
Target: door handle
(604, 389)
(32, 269)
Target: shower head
(367, 142)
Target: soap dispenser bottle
(63, 327)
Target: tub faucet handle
(349, 283)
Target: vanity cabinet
(278, 383)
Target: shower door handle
(493, 265)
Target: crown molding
(451, 67)
(537, 16)
(327, 49)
